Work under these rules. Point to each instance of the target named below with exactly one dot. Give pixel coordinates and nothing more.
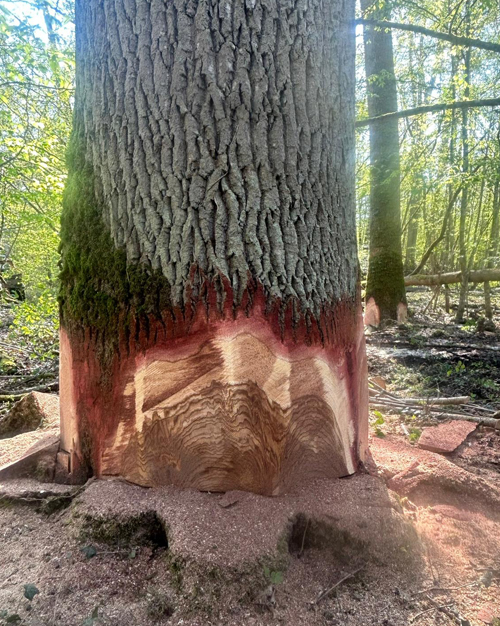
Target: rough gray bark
(220, 134)
(385, 281)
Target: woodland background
(36, 97)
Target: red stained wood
(219, 402)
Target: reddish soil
(213, 570)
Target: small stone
(487, 578)
(446, 438)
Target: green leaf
(13, 619)
(276, 578)
(30, 591)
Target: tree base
(373, 316)
(229, 406)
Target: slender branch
(456, 40)
(32, 85)
(430, 108)
(441, 235)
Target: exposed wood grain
(235, 408)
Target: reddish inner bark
(270, 445)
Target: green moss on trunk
(99, 290)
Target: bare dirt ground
(239, 559)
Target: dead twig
(418, 593)
(326, 592)
(445, 609)
(433, 608)
(217, 181)
(301, 551)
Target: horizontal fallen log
(445, 346)
(474, 276)
(19, 393)
(404, 408)
(425, 401)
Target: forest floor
(450, 574)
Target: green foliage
(380, 421)
(431, 71)
(35, 325)
(414, 435)
(36, 77)
(459, 368)
(30, 591)
(88, 551)
(274, 577)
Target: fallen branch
(445, 609)
(404, 407)
(430, 401)
(19, 393)
(474, 276)
(473, 584)
(429, 345)
(433, 608)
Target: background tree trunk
(211, 330)
(464, 200)
(493, 246)
(385, 290)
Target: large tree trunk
(385, 289)
(211, 329)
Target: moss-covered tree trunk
(385, 289)
(211, 331)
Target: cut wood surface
(232, 409)
(474, 276)
(32, 452)
(233, 413)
